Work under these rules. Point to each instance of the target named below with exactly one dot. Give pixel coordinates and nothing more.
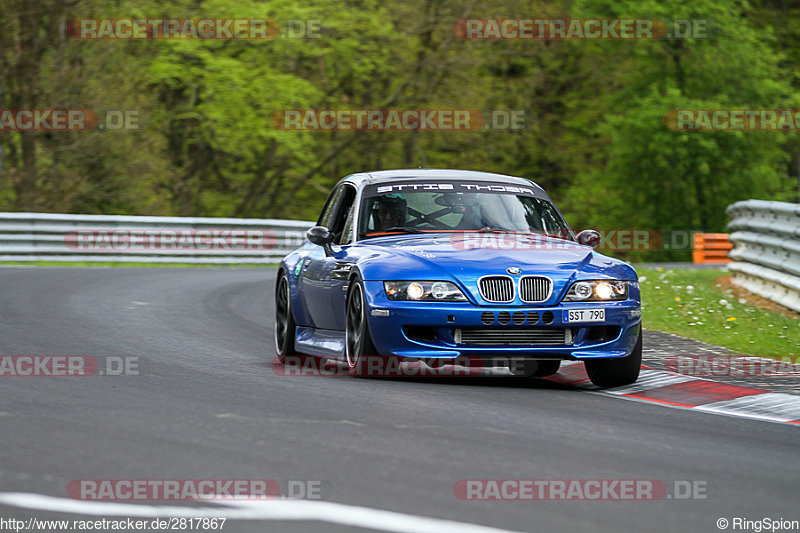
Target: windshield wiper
(491, 230)
(407, 229)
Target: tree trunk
(26, 183)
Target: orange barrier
(711, 248)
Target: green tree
(642, 174)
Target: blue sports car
(454, 267)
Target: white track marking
(768, 406)
(651, 379)
(291, 510)
(774, 406)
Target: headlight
(597, 291)
(428, 291)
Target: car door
(345, 259)
(322, 274)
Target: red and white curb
(678, 390)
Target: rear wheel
(285, 326)
(616, 372)
(358, 341)
(535, 369)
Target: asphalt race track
(206, 404)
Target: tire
(358, 341)
(285, 326)
(616, 372)
(535, 369)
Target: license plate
(584, 315)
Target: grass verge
(697, 305)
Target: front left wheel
(616, 372)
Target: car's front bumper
(428, 329)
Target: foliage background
(595, 136)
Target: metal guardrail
(766, 253)
(111, 238)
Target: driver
(389, 211)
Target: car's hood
(465, 257)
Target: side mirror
(321, 236)
(589, 237)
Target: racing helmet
(394, 202)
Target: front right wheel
(285, 326)
(618, 371)
(358, 341)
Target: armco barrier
(111, 238)
(766, 252)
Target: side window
(330, 208)
(342, 212)
(349, 226)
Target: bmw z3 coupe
(448, 266)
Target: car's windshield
(457, 207)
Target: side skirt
(320, 342)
